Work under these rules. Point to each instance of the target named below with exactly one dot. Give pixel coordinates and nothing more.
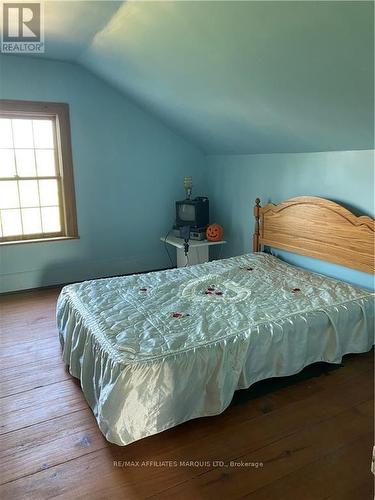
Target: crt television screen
(187, 213)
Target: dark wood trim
(31, 108)
(45, 239)
(66, 162)
(60, 111)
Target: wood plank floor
(308, 437)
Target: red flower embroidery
(211, 291)
(296, 290)
(179, 315)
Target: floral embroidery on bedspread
(168, 311)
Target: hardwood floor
(312, 434)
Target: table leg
(197, 255)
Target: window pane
(29, 196)
(8, 194)
(49, 195)
(7, 165)
(11, 222)
(43, 133)
(23, 133)
(25, 162)
(45, 159)
(6, 140)
(31, 221)
(51, 219)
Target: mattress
(155, 350)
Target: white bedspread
(154, 350)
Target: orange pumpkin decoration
(214, 232)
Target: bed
(155, 350)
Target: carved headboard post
(256, 245)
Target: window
(37, 199)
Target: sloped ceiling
(235, 77)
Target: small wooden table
(198, 250)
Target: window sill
(39, 240)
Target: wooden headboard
(318, 228)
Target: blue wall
(346, 177)
(128, 170)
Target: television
(194, 213)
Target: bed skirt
(133, 400)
